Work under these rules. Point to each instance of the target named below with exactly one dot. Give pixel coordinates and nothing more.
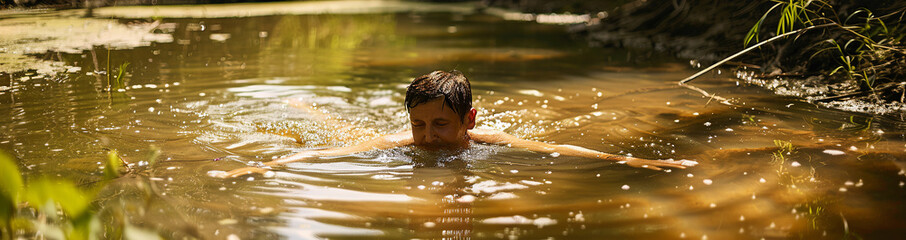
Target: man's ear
(470, 118)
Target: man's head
(440, 110)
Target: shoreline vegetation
(846, 55)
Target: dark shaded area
(710, 30)
(101, 3)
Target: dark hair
(452, 86)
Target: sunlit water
(215, 98)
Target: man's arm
(498, 137)
(383, 142)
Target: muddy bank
(708, 31)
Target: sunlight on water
(237, 92)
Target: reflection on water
(220, 96)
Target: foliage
(11, 183)
(113, 165)
(119, 82)
(859, 44)
(783, 148)
(68, 207)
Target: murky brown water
(213, 99)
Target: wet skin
(436, 126)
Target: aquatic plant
(47, 195)
(118, 81)
(783, 148)
(67, 209)
(10, 188)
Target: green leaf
(113, 165)
(119, 76)
(81, 227)
(74, 201)
(10, 179)
(835, 70)
(753, 32)
(153, 155)
(7, 208)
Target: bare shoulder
(490, 136)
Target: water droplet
(762, 180)
(742, 218)
(422, 187)
(707, 181)
(466, 199)
(842, 189)
(514, 171)
(795, 164)
(151, 109)
(712, 205)
(625, 187)
(849, 183)
(555, 154)
(689, 175)
(233, 237)
(430, 224)
(707, 124)
(266, 210)
(728, 129)
(833, 152)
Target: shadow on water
(215, 98)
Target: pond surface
(215, 99)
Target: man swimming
(442, 118)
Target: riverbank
(802, 65)
(703, 32)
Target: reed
(857, 45)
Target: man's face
(435, 126)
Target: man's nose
(430, 134)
